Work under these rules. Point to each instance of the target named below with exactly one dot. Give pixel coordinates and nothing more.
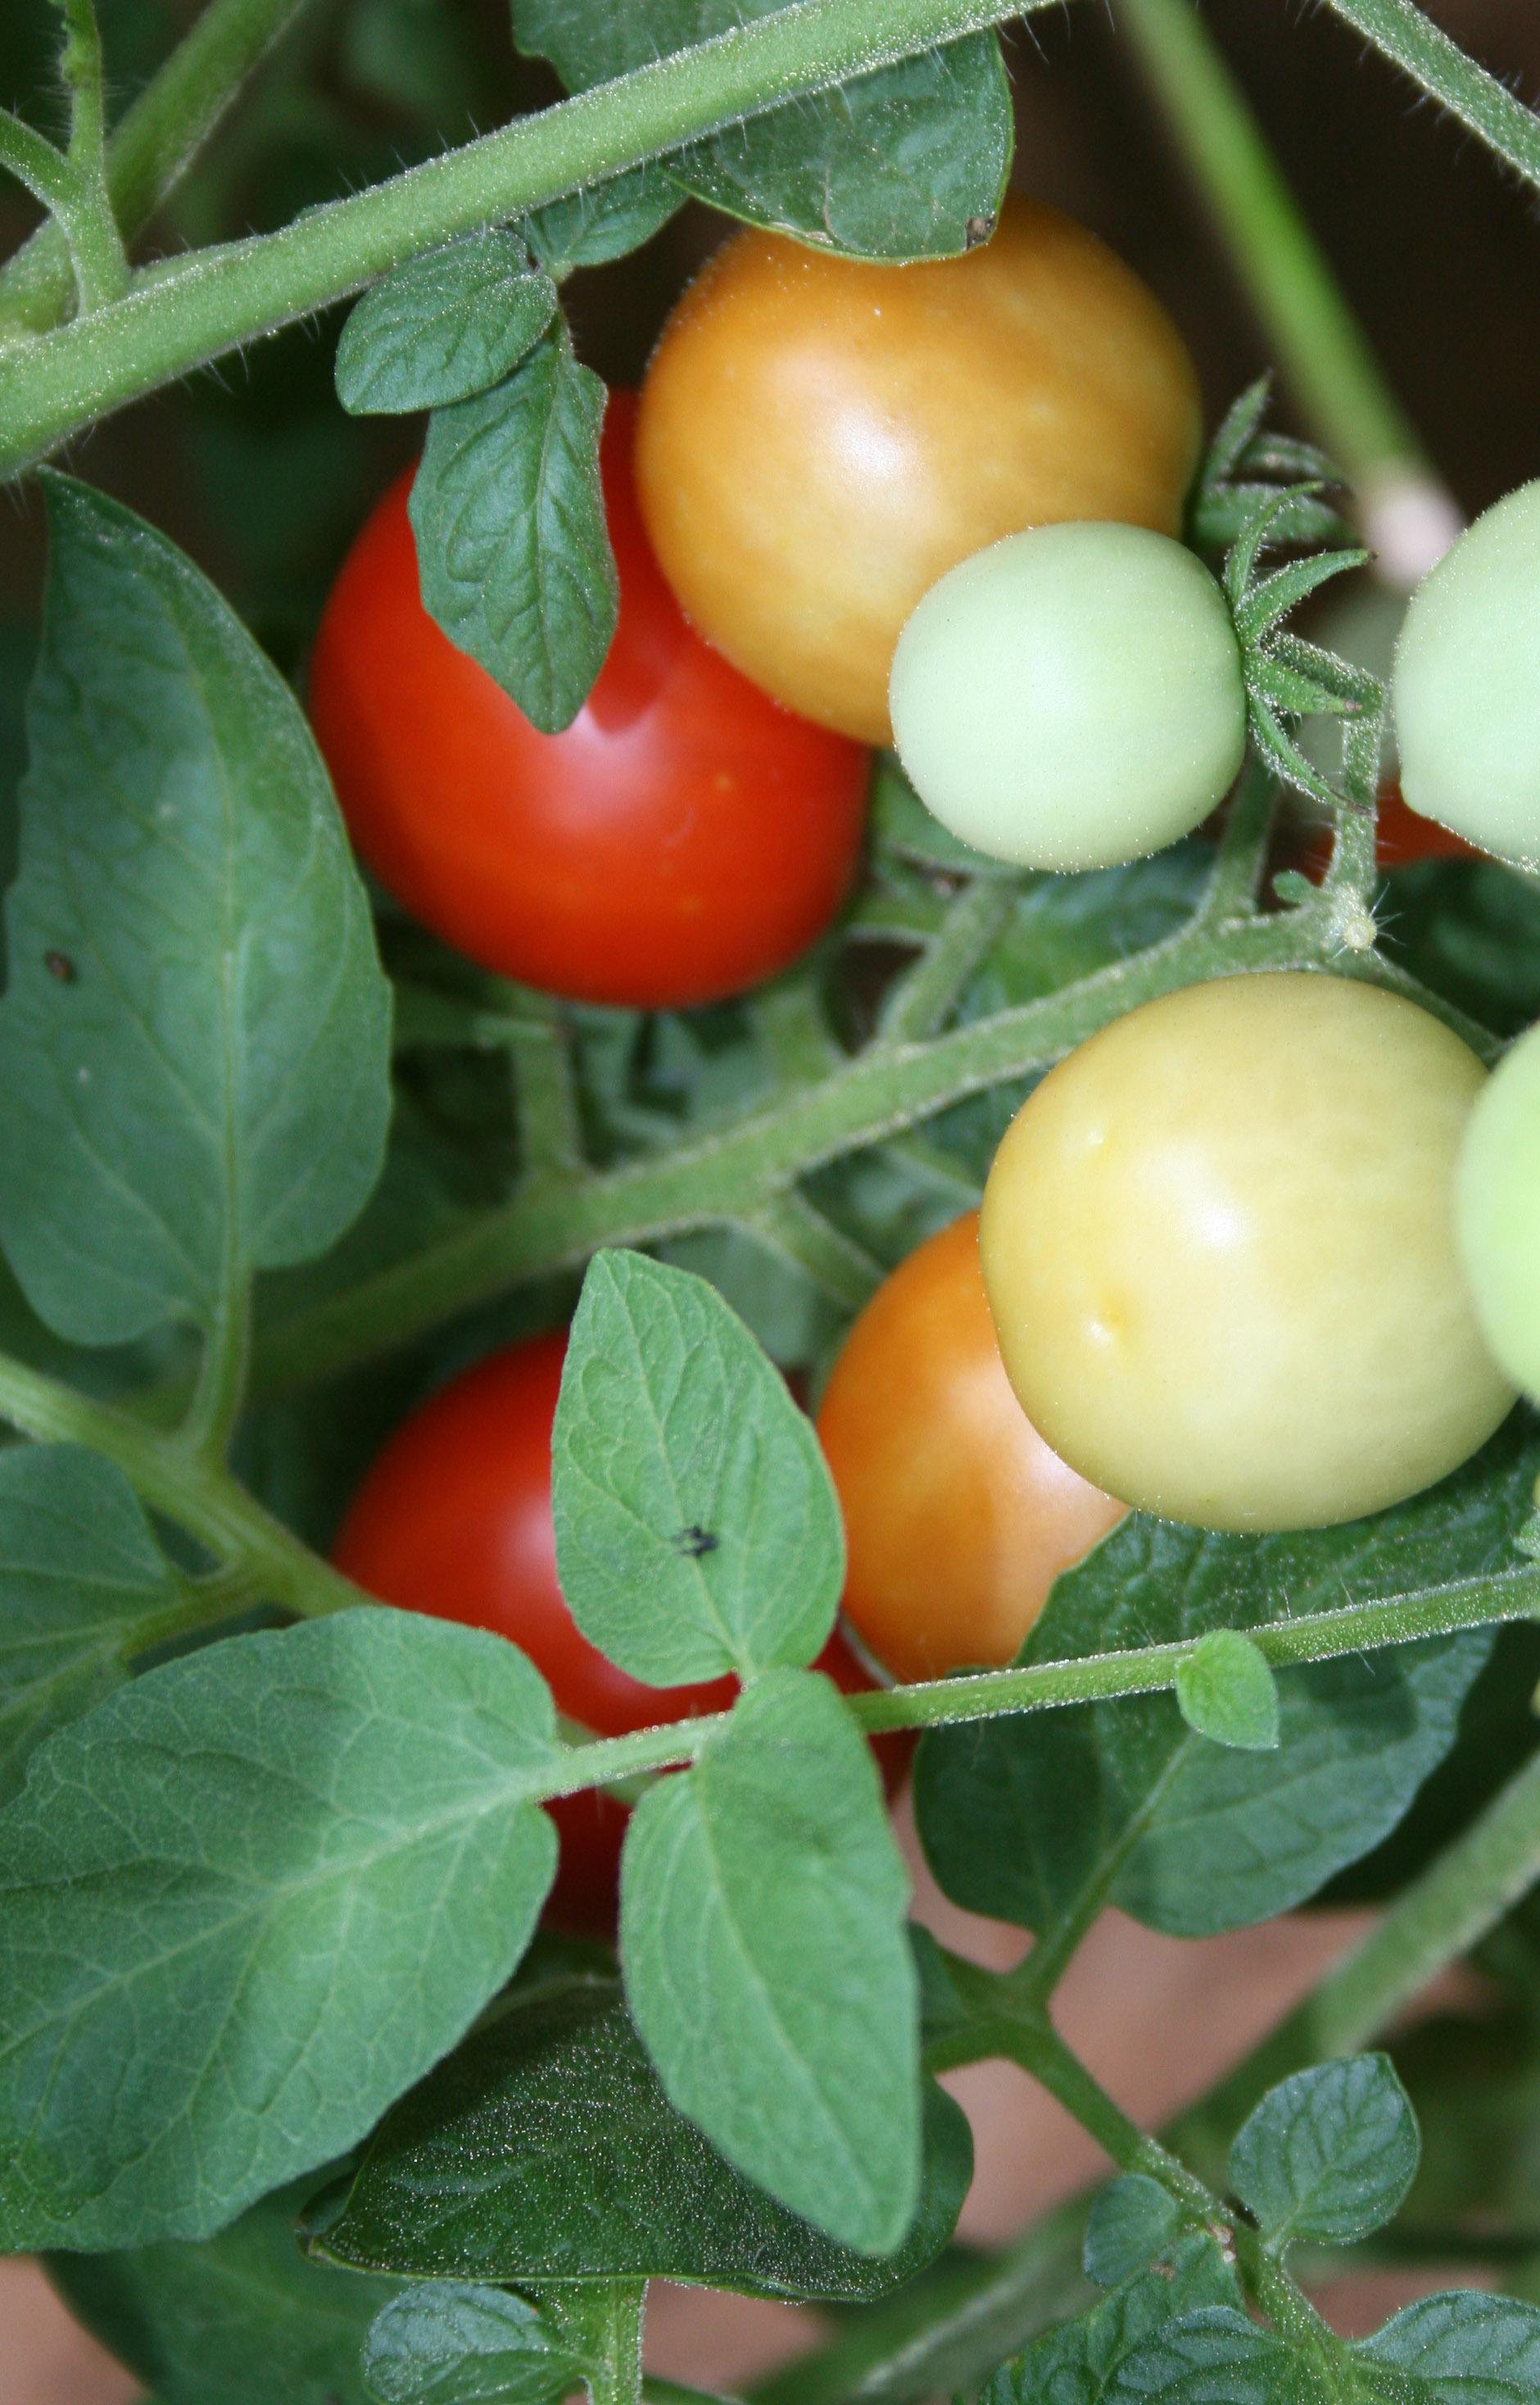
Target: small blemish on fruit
(60, 965)
(979, 231)
(695, 1542)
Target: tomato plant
(683, 840)
(1495, 1215)
(957, 1516)
(821, 440)
(454, 1518)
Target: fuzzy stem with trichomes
(179, 316)
(1413, 42)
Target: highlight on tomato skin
(958, 1516)
(684, 839)
(454, 1518)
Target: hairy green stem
(1324, 354)
(96, 246)
(149, 151)
(920, 1002)
(1403, 34)
(195, 310)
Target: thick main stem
(196, 310)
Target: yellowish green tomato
(1072, 697)
(1497, 1211)
(1466, 684)
(1218, 1244)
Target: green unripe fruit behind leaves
(1466, 684)
(1071, 697)
(1497, 1212)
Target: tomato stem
(1405, 36)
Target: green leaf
(906, 162)
(512, 549)
(1462, 2348)
(194, 1044)
(1079, 2363)
(1033, 1819)
(1225, 1691)
(1471, 931)
(909, 162)
(1328, 2155)
(762, 1934)
(1132, 2221)
(602, 221)
(1214, 2355)
(697, 1527)
(444, 327)
(81, 1579)
(247, 1901)
(241, 2319)
(546, 2150)
(444, 2343)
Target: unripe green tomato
(1497, 1211)
(1466, 684)
(1071, 697)
(1218, 1243)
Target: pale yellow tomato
(1218, 1247)
(820, 439)
(958, 1518)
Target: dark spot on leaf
(695, 1541)
(60, 965)
(979, 231)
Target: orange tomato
(957, 1515)
(820, 440)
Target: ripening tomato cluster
(1261, 1254)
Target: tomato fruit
(1497, 1211)
(1466, 684)
(1218, 1243)
(1071, 697)
(683, 840)
(957, 1516)
(454, 1518)
(821, 440)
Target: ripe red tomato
(684, 838)
(957, 1515)
(454, 1518)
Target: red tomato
(454, 1518)
(684, 838)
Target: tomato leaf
(512, 549)
(602, 221)
(1460, 2345)
(544, 2150)
(241, 2319)
(697, 1527)
(1131, 2221)
(1329, 2155)
(906, 162)
(247, 1901)
(194, 1043)
(1225, 1691)
(1079, 2363)
(445, 2343)
(1032, 1818)
(761, 1917)
(82, 1581)
(443, 327)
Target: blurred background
(256, 470)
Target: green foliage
(1084, 2361)
(1225, 1690)
(1034, 1819)
(194, 1044)
(1131, 2222)
(906, 162)
(697, 1527)
(544, 2150)
(1328, 2155)
(1470, 929)
(241, 2319)
(603, 221)
(762, 1908)
(1460, 2349)
(247, 1901)
(82, 1584)
(443, 2343)
(511, 544)
(444, 327)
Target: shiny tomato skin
(822, 439)
(454, 1518)
(683, 840)
(957, 1515)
